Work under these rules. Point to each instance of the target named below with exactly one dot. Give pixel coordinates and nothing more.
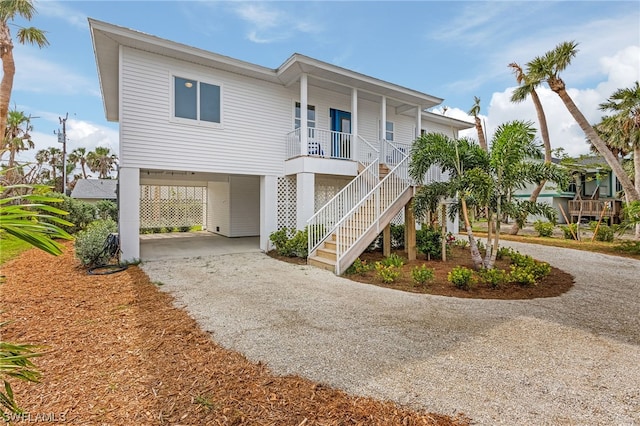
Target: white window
(389, 131)
(196, 100)
(311, 116)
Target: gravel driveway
(573, 359)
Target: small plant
(429, 242)
(522, 275)
(393, 260)
(630, 247)
(184, 228)
(495, 278)
(359, 267)
(504, 252)
(544, 229)
(296, 246)
(387, 273)
(89, 243)
(461, 277)
(570, 232)
(422, 274)
(605, 233)
(397, 236)
(279, 239)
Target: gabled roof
(95, 189)
(107, 39)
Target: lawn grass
(11, 247)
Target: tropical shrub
(429, 242)
(422, 274)
(397, 236)
(107, 210)
(605, 233)
(295, 246)
(359, 267)
(569, 231)
(461, 277)
(90, 243)
(393, 260)
(387, 273)
(494, 277)
(522, 275)
(544, 229)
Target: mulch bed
(117, 352)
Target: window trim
(315, 112)
(188, 121)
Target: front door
(341, 142)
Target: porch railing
(321, 143)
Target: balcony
(594, 209)
(321, 144)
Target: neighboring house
(307, 143)
(592, 194)
(92, 190)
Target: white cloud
(268, 24)
(60, 10)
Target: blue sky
(454, 50)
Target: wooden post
(410, 231)
(568, 223)
(386, 241)
(604, 208)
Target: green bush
(295, 246)
(387, 273)
(397, 236)
(522, 275)
(566, 231)
(81, 213)
(359, 267)
(630, 247)
(605, 233)
(429, 242)
(107, 210)
(544, 229)
(90, 242)
(461, 277)
(504, 252)
(393, 260)
(495, 278)
(422, 274)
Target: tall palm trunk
(544, 133)
(8, 71)
(557, 85)
(479, 129)
(636, 175)
(476, 258)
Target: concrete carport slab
(176, 245)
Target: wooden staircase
(360, 229)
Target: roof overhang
(108, 38)
(447, 121)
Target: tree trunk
(544, 129)
(475, 253)
(557, 85)
(8, 71)
(481, 139)
(487, 254)
(636, 175)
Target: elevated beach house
(306, 144)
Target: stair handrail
(322, 223)
(393, 186)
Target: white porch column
(129, 213)
(305, 199)
(268, 209)
(383, 118)
(304, 101)
(354, 124)
(418, 121)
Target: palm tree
(475, 112)
(9, 9)
(16, 136)
(52, 157)
(547, 68)
(527, 87)
(102, 161)
(624, 127)
(461, 159)
(79, 155)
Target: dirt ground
(116, 352)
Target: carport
(178, 245)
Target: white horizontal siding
(430, 127)
(245, 206)
(255, 117)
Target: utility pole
(62, 138)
